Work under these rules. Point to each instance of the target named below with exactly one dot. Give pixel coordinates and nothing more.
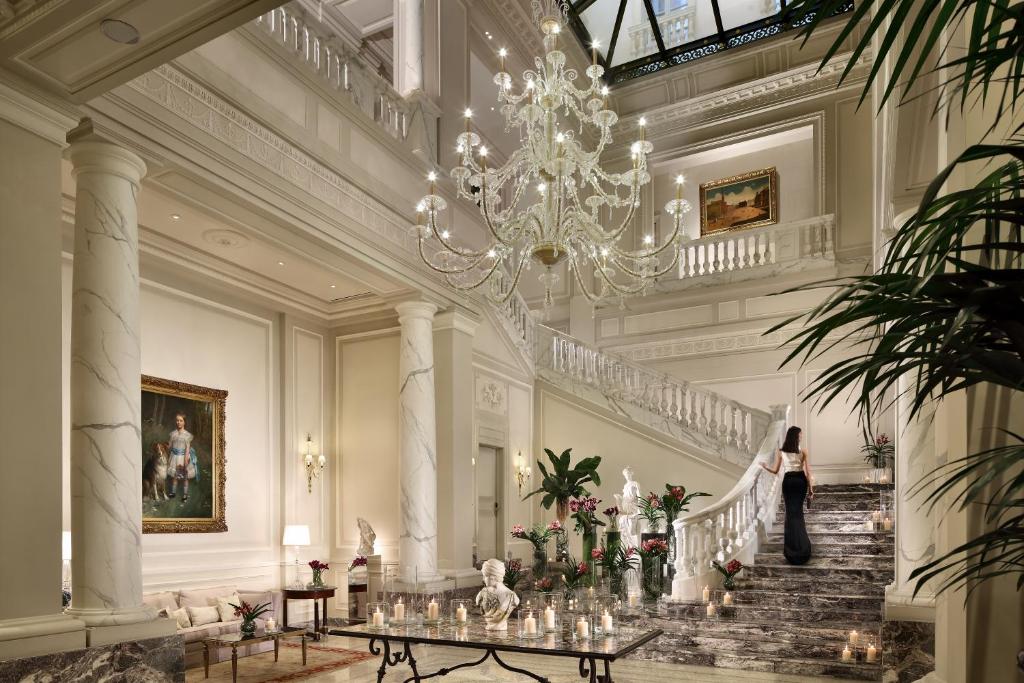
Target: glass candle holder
(431, 610)
(530, 624)
(582, 626)
(711, 610)
(606, 617)
(459, 611)
(401, 612)
(530, 601)
(378, 615)
(872, 653)
(551, 613)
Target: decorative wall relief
(743, 201)
(491, 395)
(182, 457)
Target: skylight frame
(663, 58)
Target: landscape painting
(182, 457)
(744, 201)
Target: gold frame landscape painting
(182, 457)
(744, 201)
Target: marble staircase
(796, 619)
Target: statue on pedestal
(366, 538)
(629, 510)
(495, 599)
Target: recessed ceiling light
(334, 286)
(175, 217)
(119, 31)
(280, 263)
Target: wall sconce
(314, 461)
(523, 472)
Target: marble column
(106, 498)
(408, 46)
(31, 139)
(417, 459)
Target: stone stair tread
(813, 594)
(788, 665)
(767, 631)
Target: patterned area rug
(262, 668)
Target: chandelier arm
(487, 217)
(629, 271)
(445, 270)
(465, 288)
(459, 251)
(620, 289)
(636, 255)
(575, 267)
(512, 286)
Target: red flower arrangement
(729, 571)
(360, 561)
(654, 547)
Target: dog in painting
(154, 474)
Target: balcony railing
(339, 66)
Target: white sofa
(169, 601)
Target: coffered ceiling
(64, 46)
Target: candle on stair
(727, 599)
(887, 524)
(711, 609)
(706, 594)
(854, 637)
(876, 516)
(872, 653)
(847, 654)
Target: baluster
(673, 407)
(693, 409)
(709, 544)
(723, 425)
(744, 437)
(682, 262)
(713, 422)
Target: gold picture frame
(183, 463)
(744, 201)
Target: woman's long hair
(792, 442)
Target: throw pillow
(203, 615)
(180, 616)
(224, 608)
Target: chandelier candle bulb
(643, 125)
(469, 118)
(593, 50)
(501, 59)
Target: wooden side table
(318, 596)
(235, 640)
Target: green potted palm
(878, 453)
(561, 484)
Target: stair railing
(733, 527)
(727, 424)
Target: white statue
(366, 538)
(495, 599)
(629, 510)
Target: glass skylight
(637, 37)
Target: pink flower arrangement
(555, 526)
(597, 554)
(581, 569)
(654, 546)
(613, 511)
(654, 500)
(544, 585)
(518, 531)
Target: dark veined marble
(155, 660)
(908, 649)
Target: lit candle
(634, 600)
(460, 614)
(872, 653)
(711, 609)
(271, 624)
(593, 50)
(727, 599)
(501, 59)
(643, 124)
(582, 628)
(876, 516)
(883, 478)
(867, 478)
(854, 637)
(606, 622)
(847, 654)
(483, 156)
(378, 619)
(549, 618)
(887, 524)
(869, 525)
(432, 611)
(679, 186)
(469, 117)
(399, 611)
(432, 177)
(706, 594)
(530, 625)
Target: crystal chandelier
(551, 202)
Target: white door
(486, 503)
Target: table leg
(324, 611)
(206, 660)
(316, 619)
(284, 625)
(277, 645)
(234, 665)
(303, 650)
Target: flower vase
(650, 580)
(561, 546)
(670, 559)
(318, 579)
(248, 627)
(729, 583)
(612, 542)
(540, 562)
(589, 543)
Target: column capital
(411, 310)
(92, 152)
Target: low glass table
(395, 646)
(237, 640)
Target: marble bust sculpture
(366, 538)
(495, 599)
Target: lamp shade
(65, 545)
(296, 534)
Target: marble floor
(430, 659)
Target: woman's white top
(792, 462)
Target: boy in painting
(183, 457)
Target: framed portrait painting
(182, 457)
(749, 200)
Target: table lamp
(296, 535)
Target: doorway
(489, 541)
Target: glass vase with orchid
(248, 614)
(729, 573)
(652, 554)
(650, 510)
(318, 568)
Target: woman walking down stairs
(796, 619)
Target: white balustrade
(726, 252)
(339, 66)
(733, 527)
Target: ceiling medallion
(551, 202)
(229, 239)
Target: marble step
(847, 488)
(805, 585)
(751, 662)
(813, 598)
(828, 651)
(846, 562)
(816, 634)
(821, 495)
(838, 549)
(840, 504)
(836, 617)
(852, 525)
(814, 572)
(841, 538)
(828, 515)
